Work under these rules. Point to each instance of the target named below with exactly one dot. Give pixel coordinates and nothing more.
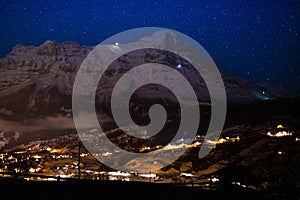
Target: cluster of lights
(194, 144)
(223, 140)
(119, 175)
(280, 134)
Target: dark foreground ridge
(90, 189)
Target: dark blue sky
(258, 40)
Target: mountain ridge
(52, 67)
(36, 85)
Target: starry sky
(255, 39)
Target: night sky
(258, 40)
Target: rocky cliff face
(36, 80)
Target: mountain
(36, 85)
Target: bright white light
(187, 174)
(117, 44)
(61, 175)
(148, 175)
(179, 66)
(280, 134)
(214, 179)
(118, 173)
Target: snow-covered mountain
(36, 84)
(39, 80)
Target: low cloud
(48, 123)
